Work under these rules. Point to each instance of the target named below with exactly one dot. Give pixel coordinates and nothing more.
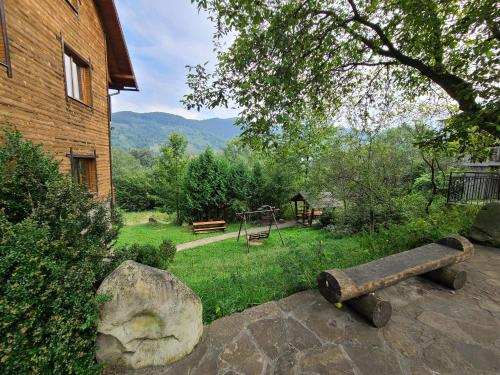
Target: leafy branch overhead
(291, 57)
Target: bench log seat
(208, 226)
(432, 261)
(258, 236)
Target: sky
(163, 36)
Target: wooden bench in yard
(356, 285)
(209, 226)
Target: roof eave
(121, 71)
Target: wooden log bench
(356, 285)
(209, 226)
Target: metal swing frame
(260, 235)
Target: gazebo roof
(323, 199)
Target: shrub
(327, 218)
(169, 250)
(48, 309)
(340, 230)
(24, 174)
(51, 262)
(135, 193)
(154, 256)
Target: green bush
(48, 309)
(169, 250)
(51, 262)
(135, 193)
(24, 174)
(154, 256)
(327, 218)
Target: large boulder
(152, 319)
(486, 228)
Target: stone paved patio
(433, 331)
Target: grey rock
(486, 227)
(153, 319)
(270, 336)
(243, 356)
(327, 360)
(298, 337)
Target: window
(84, 171)
(4, 43)
(77, 73)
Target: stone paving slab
(222, 237)
(432, 331)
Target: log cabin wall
(34, 100)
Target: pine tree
(170, 174)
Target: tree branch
(459, 89)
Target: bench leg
(374, 309)
(448, 276)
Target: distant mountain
(151, 130)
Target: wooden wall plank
(34, 99)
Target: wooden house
(310, 206)
(58, 61)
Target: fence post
(449, 188)
(498, 184)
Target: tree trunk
(434, 186)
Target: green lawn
(136, 230)
(229, 279)
(134, 218)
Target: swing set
(253, 237)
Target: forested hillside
(151, 130)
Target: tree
(206, 187)
(373, 168)
(435, 156)
(170, 174)
(291, 57)
(144, 156)
(124, 164)
(132, 182)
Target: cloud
(163, 37)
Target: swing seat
(258, 236)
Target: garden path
(433, 331)
(222, 237)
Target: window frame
(73, 158)
(8, 63)
(82, 63)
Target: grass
(229, 279)
(135, 218)
(136, 230)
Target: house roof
(323, 199)
(121, 72)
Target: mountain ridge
(151, 130)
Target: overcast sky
(163, 36)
